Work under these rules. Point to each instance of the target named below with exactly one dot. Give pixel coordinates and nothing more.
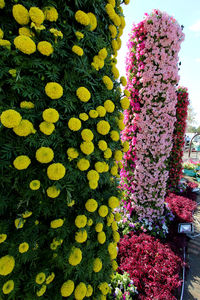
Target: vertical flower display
(152, 71)
(60, 113)
(175, 159)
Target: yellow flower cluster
(112, 249)
(82, 18)
(2, 4)
(27, 104)
(67, 288)
(101, 237)
(24, 128)
(23, 247)
(113, 202)
(74, 124)
(81, 221)
(81, 236)
(25, 44)
(47, 128)
(80, 291)
(44, 155)
(98, 60)
(56, 171)
(77, 50)
(8, 287)
(125, 146)
(54, 90)
(3, 237)
(7, 264)
(108, 82)
(34, 185)
(26, 31)
(93, 114)
(72, 153)
(36, 15)
(50, 115)
(87, 135)
(91, 205)
(92, 21)
(75, 256)
(57, 223)
(21, 162)
(104, 288)
(10, 118)
(109, 106)
(20, 14)
(53, 192)
(41, 291)
(99, 227)
(97, 265)
(83, 164)
(103, 211)
(102, 145)
(123, 81)
(79, 35)
(45, 48)
(87, 147)
(125, 103)
(50, 13)
(83, 94)
(5, 43)
(56, 33)
(40, 278)
(83, 116)
(101, 111)
(103, 127)
(1, 33)
(114, 135)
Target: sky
(187, 13)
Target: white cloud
(195, 27)
(197, 59)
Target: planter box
(189, 172)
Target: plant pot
(189, 172)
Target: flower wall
(152, 71)
(175, 159)
(59, 144)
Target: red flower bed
(153, 266)
(181, 207)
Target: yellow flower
(27, 104)
(24, 128)
(104, 288)
(53, 192)
(72, 153)
(112, 2)
(112, 249)
(103, 53)
(74, 124)
(118, 155)
(27, 214)
(81, 221)
(114, 135)
(45, 48)
(23, 247)
(80, 291)
(103, 127)
(109, 106)
(99, 227)
(56, 171)
(34, 185)
(101, 111)
(19, 223)
(123, 81)
(108, 82)
(13, 72)
(106, 167)
(20, 14)
(93, 114)
(107, 153)
(93, 175)
(97, 265)
(50, 278)
(83, 116)
(83, 164)
(26, 31)
(100, 167)
(67, 288)
(21, 162)
(103, 211)
(117, 216)
(75, 256)
(89, 291)
(25, 44)
(79, 35)
(40, 278)
(110, 218)
(121, 124)
(101, 237)
(77, 50)
(2, 4)
(83, 94)
(3, 237)
(50, 13)
(54, 90)
(102, 145)
(87, 135)
(115, 72)
(44, 155)
(114, 170)
(114, 265)
(7, 264)
(91, 205)
(37, 27)
(125, 146)
(5, 43)
(10, 118)
(126, 2)
(110, 10)
(113, 31)
(113, 202)
(56, 33)
(50, 115)
(1, 33)
(116, 236)
(82, 18)
(115, 45)
(127, 93)
(87, 147)
(36, 15)
(81, 236)
(8, 287)
(56, 223)
(90, 222)
(42, 290)
(93, 21)
(47, 128)
(116, 20)
(93, 184)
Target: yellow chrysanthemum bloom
(57, 223)
(110, 11)
(83, 94)
(67, 288)
(79, 35)
(83, 164)
(42, 290)
(83, 116)
(87, 135)
(101, 237)
(113, 202)
(114, 135)
(114, 170)
(81, 236)
(99, 167)
(74, 124)
(103, 127)
(116, 236)
(101, 111)
(53, 192)
(80, 291)
(113, 31)
(126, 2)
(45, 48)
(27, 104)
(123, 81)
(115, 45)
(118, 155)
(93, 114)
(121, 124)
(116, 20)
(75, 256)
(20, 14)
(102, 145)
(112, 249)
(50, 278)
(24, 128)
(93, 184)
(40, 278)
(50, 13)
(110, 218)
(1, 33)
(10, 118)
(89, 291)
(44, 155)
(72, 153)
(103, 53)
(104, 288)
(2, 4)
(5, 43)
(114, 265)
(115, 72)
(91, 205)
(127, 93)
(82, 18)
(93, 21)
(19, 223)
(54, 90)
(7, 264)
(81, 221)
(108, 82)
(93, 175)
(37, 27)
(34, 185)
(103, 211)
(99, 227)
(25, 44)
(125, 146)
(27, 214)
(36, 15)
(47, 128)
(26, 31)
(117, 217)
(87, 147)
(21, 162)
(23, 247)
(50, 115)
(77, 50)
(106, 167)
(8, 287)
(3, 237)
(56, 33)
(107, 153)
(90, 222)
(56, 171)
(97, 265)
